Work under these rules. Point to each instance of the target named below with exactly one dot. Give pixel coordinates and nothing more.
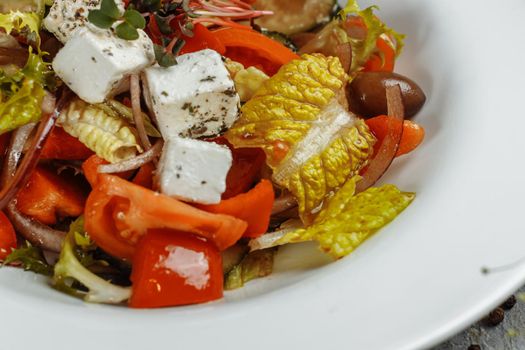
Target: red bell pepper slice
(172, 268)
(254, 49)
(49, 196)
(254, 207)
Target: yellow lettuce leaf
(299, 118)
(346, 220)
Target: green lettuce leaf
(347, 220)
(362, 49)
(256, 264)
(21, 94)
(31, 259)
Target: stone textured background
(508, 335)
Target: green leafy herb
(98, 18)
(31, 259)
(164, 59)
(110, 9)
(256, 264)
(109, 13)
(135, 19)
(126, 31)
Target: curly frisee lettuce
(69, 270)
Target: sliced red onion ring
(35, 232)
(344, 53)
(133, 163)
(137, 111)
(283, 203)
(21, 175)
(387, 152)
(13, 179)
(16, 56)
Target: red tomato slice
(171, 268)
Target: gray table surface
(508, 335)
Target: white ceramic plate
(412, 285)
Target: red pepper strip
(172, 268)
(384, 59)
(144, 176)
(118, 213)
(202, 39)
(245, 171)
(61, 145)
(254, 207)
(413, 134)
(7, 237)
(48, 196)
(254, 49)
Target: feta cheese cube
(66, 16)
(96, 64)
(193, 170)
(194, 98)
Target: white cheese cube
(96, 64)
(66, 16)
(194, 98)
(194, 170)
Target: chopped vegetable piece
(292, 17)
(23, 22)
(347, 220)
(144, 176)
(254, 207)
(254, 49)
(31, 259)
(69, 269)
(384, 59)
(364, 48)
(413, 134)
(202, 39)
(256, 264)
(61, 145)
(118, 213)
(245, 170)
(110, 137)
(21, 94)
(7, 237)
(172, 268)
(48, 196)
(232, 256)
(311, 141)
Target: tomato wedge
(118, 213)
(172, 268)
